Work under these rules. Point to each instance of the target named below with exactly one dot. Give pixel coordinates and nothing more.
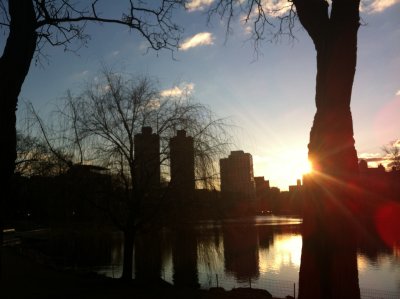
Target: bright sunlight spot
(283, 168)
(286, 251)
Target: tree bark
(14, 66)
(328, 264)
(331, 146)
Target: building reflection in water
(237, 252)
(148, 261)
(184, 256)
(241, 251)
(265, 236)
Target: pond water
(261, 252)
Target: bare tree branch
(392, 151)
(63, 22)
(44, 132)
(264, 20)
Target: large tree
(329, 266)
(329, 247)
(332, 26)
(30, 25)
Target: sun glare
(284, 168)
(307, 167)
(299, 167)
(286, 251)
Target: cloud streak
(177, 91)
(386, 159)
(373, 159)
(198, 5)
(199, 39)
(376, 6)
(276, 7)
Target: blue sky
(270, 99)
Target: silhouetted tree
(47, 160)
(32, 24)
(106, 119)
(35, 158)
(329, 264)
(29, 152)
(392, 152)
(44, 150)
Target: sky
(269, 96)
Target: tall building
(262, 187)
(237, 176)
(147, 160)
(182, 164)
(297, 187)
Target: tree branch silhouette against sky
(270, 93)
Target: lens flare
(387, 221)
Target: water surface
(262, 252)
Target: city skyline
(270, 99)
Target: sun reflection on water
(284, 255)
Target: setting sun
(283, 168)
(308, 167)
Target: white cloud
(154, 104)
(176, 91)
(375, 6)
(398, 93)
(271, 8)
(370, 156)
(115, 53)
(200, 39)
(194, 5)
(373, 159)
(276, 7)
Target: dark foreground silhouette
(28, 279)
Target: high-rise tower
(147, 160)
(182, 164)
(237, 176)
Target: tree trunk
(329, 262)
(14, 66)
(129, 241)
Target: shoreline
(23, 277)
